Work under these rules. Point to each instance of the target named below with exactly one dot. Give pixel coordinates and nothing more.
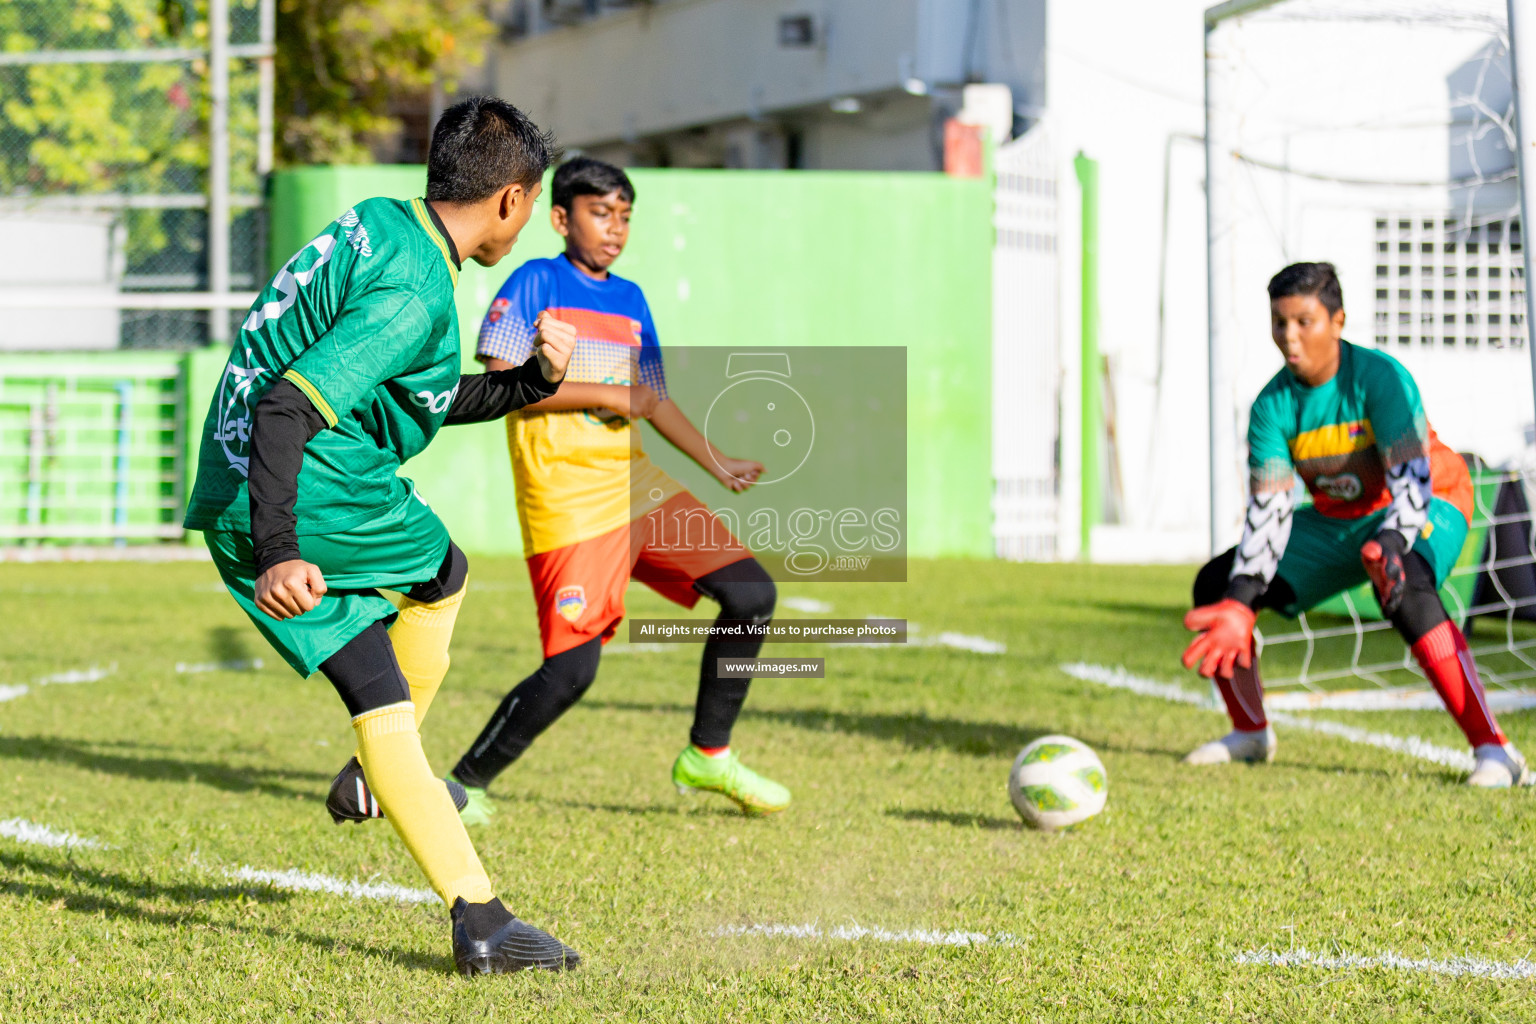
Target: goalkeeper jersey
(579, 473)
(362, 321)
(1342, 435)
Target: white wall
(1131, 98)
(1349, 99)
(654, 71)
(56, 249)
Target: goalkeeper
(1391, 504)
(346, 366)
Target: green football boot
(755, 795)
(477, 809)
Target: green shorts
(398, 549)
(1323, 555)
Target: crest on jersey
(498, 307)
(232, 429)
(570, 602)
(1342, 487)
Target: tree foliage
(344, 67)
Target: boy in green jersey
(346, 366)
(1390, 503)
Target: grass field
(898, 760)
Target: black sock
(531, 707)
(746, 594)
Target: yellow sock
(420, 637)
(416, 803)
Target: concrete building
(823, 84)
(1370, 133)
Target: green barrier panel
(746, 259)
(91, 447)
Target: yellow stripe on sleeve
(313, 394)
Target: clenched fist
(554, 343)
(290, 588)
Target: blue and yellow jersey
(579, 473)
(1342, 435)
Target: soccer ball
(1057, 782)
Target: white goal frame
(1226, 485)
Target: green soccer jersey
(1339, 436)
(362, 321)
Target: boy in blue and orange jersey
(594, 508)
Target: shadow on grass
(960, 820)
(88, 755)
(918, 732)
(1162, 614)
(677, 810)
(92, 892)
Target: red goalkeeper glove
(1225, 640)
(1383, 561)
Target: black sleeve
(490, 396)
(1248, 589)
(282, 425)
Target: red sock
(1442, 654)
(712, 751)
(1244, 694)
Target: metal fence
(134, 139)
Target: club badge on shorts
(570, 602)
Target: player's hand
(289, 588)
(1225, 640)
(553, 343)
(641, 402)
(737, 474)
(1382, 557)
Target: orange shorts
(580, 588)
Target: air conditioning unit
(568, 12)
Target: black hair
(584, 176)
(480, 146)
(1319, 279)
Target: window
(1442, 267)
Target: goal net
(1379, 135)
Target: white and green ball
(1057, 782)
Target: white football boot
(1236, 745)
(1498, 767)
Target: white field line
(24, 831)
(240, 665)
(1413, 746)
(93, 674)
(917, 638)
(808, 605)
(1455, 967)
(637, 648)
(304, 881)
(854, 932)
(79, 675)
(1407, 698)
(960, 641)
(31, 833)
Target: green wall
(745, 258)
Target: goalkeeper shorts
(1322, 557)
(395, 550)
